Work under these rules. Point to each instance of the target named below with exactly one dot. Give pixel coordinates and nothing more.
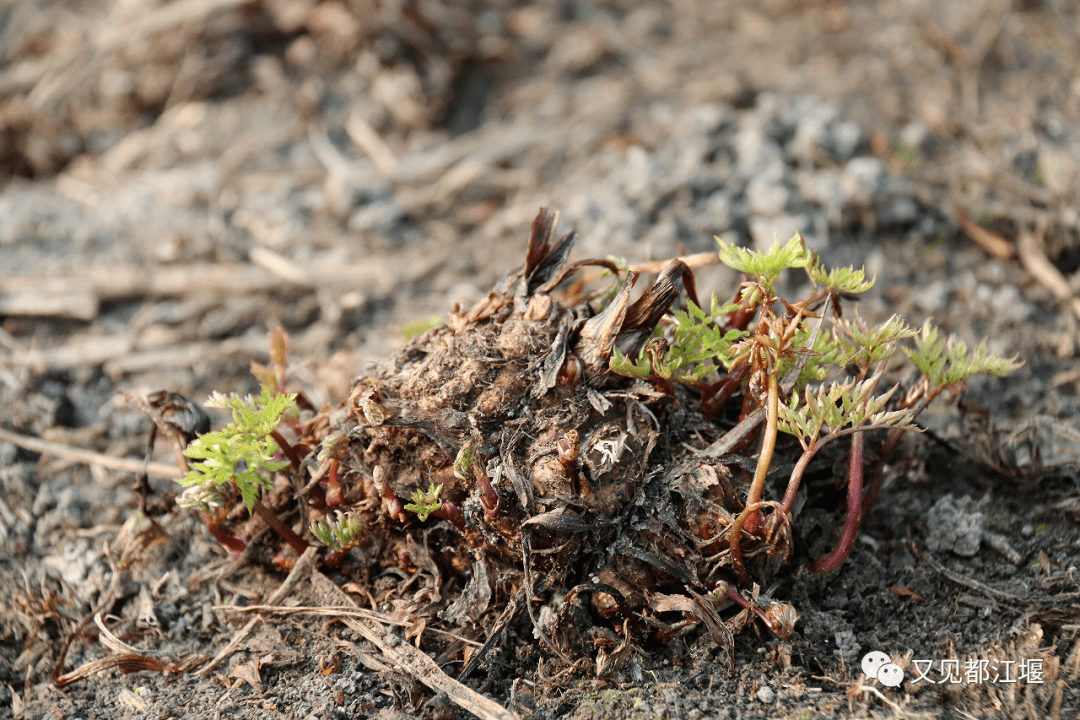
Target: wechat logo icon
(879, 666)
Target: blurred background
(178, 178)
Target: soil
(180, 178)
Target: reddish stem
(287, 450)
(451, 513)
(489, 499)
(333, 485)
(714, 404)
(876, 475)
(284, 531)
(800, 469)
(733, 595)
(233, 543)
(854, 506)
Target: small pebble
(1027, 530)
(955, 524)
(846, 137)
(766, 694)
(862, 179)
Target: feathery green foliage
(242, 452)
(766, 267)
(946, 361)
(847, 279)
(697, 340)
(345, 531)
(836, 406)
(425, 503)
(824, 354)
(864, 345)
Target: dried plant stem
(88, 457)
(106, 600)
(411, 659)
(300, 570)
(736, 537)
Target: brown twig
(89, 457)
(230, 279)
(969, 582)
(412, 660)
(300, 571)
(991, 242)
(283, 531)
(336, 612)
(1034, 260)
(107, 599)
(286, 449)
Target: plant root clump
(607, 457)
(502, 443)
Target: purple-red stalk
(286, 449)
(333, 485)
(713, 404)
(283, 531)
(854, 514)
(233, 543)
(489, 499)
(451, 513)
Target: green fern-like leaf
(766, 267)
(622, 365)
(425, 503)
(818, 358)
(846, 279)
(794, 420)
(242, 452)
(865, 345)
(697, 340)
(947, 361)
(839, 405)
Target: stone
(764, 231)
(955, 525)
(862, 179)
(765, 197)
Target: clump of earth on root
(577, 444)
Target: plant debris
(557, 438)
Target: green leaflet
(243, 451)
(946, 361)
